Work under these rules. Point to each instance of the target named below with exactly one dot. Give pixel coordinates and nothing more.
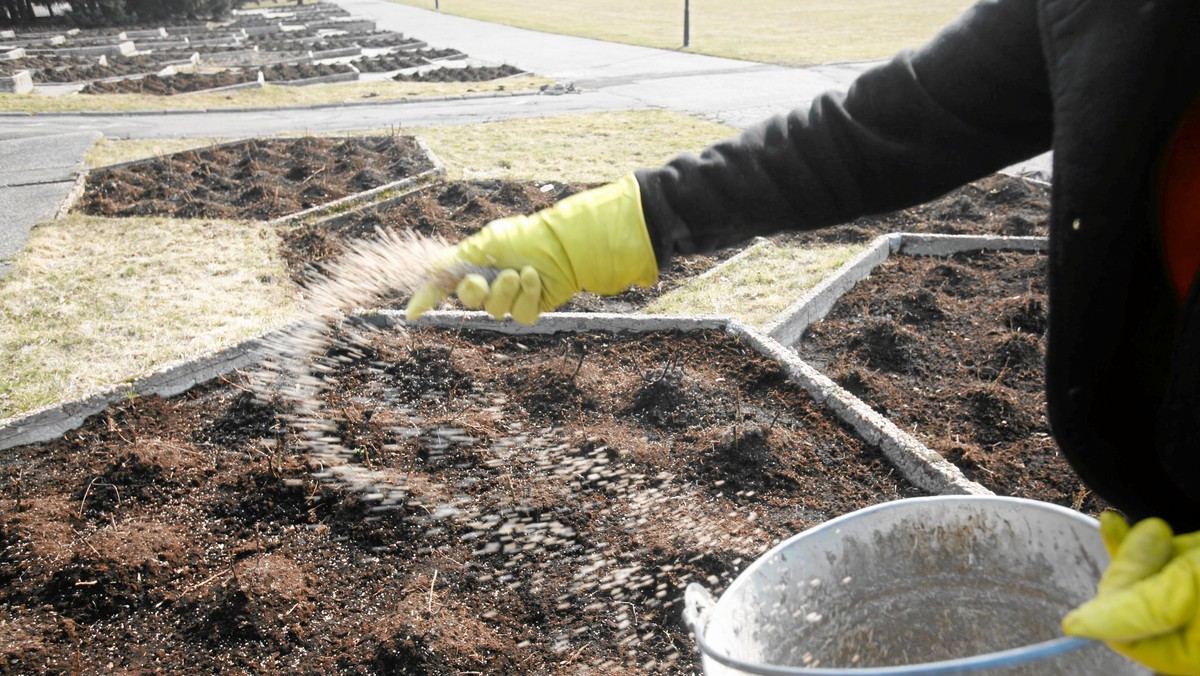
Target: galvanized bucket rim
(698, 603)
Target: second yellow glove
(1147, 605)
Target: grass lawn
(92, 302)
(758, 285)
(577, 148)
(793, 32)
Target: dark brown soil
(260, 179)
(291, 72)
(180, 83)
(388, 62)
(380, 40)
(461, 74)
(997, 205)
(552, 497)
(183, 83)
(952, 350)
(78, 69)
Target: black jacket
(1103, 83)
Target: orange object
(1179, 203)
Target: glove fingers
(1155, 606)
(525, 307)
(504, 292)
(425, 299)
(472, 291)
(1113, 530)
(1142, 553)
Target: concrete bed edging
(786, 329)
(916, 463)
(54, 421)
(789, 325)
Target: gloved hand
(592, 241)
(1147, 605)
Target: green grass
(794, 32)
(758, 286)
(269, 96)
(93, 302)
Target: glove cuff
(603, 232)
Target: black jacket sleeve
(973, 100)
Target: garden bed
(294, 72)
(180, 83)
(389, 62)
(547, 499)
(190, 83)
(79, 69)
(260, 179)
(952, 350)
(461, 74)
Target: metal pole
(686, 22)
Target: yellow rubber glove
(1147, 605)
(592, 241)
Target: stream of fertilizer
(607, 583)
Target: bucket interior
(918, 581)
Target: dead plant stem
(198, 585)
(429, 605)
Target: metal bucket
(940, 585)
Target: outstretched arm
(973, 100)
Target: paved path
(36, 173)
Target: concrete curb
(73, 195)
(915, 462)
(54, 421)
